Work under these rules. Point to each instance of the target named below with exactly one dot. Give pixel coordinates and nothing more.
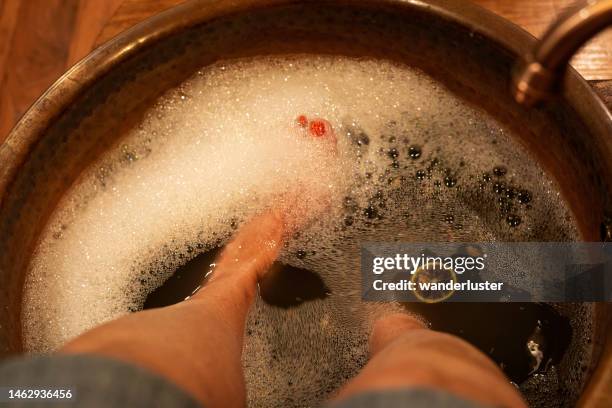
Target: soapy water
(413, 162)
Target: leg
(197, 344)
(405, 354)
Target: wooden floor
(41, 39)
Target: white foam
(224, 146)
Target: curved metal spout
(540, 74)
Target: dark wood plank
(37, 54)
(93, 16)
(39, 41)
(132, 12)
(9, 9)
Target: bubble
(414, 152)
(370, 212)
(450, 181)
(393, 153)
(513, 220)
(524, 197)
(499, 188)
(510, 192)
(500, 171)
